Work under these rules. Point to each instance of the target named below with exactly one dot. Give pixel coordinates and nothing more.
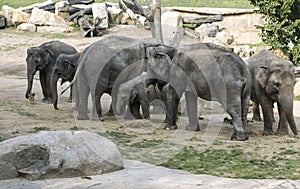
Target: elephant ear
(48, 56)
(262, 75)
(69, 66)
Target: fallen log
(202, 19)
(79, 14)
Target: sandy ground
(19, 117)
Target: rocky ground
(20, 117)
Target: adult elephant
(100, 66)
(64, 68)
(42, 58)
(209, 72)
(273, 81)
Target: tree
(282, 28)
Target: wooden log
(78, 14)
(175, 41)
(192, 33)
(202, 19)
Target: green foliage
(37, 129)
(282, 30)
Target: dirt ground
(20, 117)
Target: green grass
(146, 143)
(165, 3)
(118, 137)
(236, 163)
(15, 108)
(37, 129)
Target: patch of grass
(118, 137)
(54, 36)
(37, 129)
(147, 143)
(297, 98)
(15, 108)
(234, 163)
(2, 138)
(75, 128)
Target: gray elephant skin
(100, 66)
(138, 93)
(42, 58)
(209, 72)
(273, 81)
(64, 68)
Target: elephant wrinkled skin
(273, 81)
(42, 58)
(206, 71)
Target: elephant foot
(268, 132)
(193, 127)
(165, 121)
(256, 118)
(282, 131)
(97, 118)
(110, 113)
(171, 127)
(82, 117)
(239, 136)
(70, 100)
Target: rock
(244, 51)
(56, 154)
(114, 15)
(43, 18)
(207, 30)
(27, 27)
(297, 87)
(19, 17)
(126, 19)
(8, 13)
(100, 12)
(225, 37)
(61, 5)
(170, 21)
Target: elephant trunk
(30, 75)
(53, 84)
(287, 108)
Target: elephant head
(37, 59)
(277, 80)
(65, 68)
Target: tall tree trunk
(156, 8)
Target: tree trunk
(156, 8)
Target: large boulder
(99, 11)
(27, 27)
(19, 17)
(170, 21)
(45, 18)
(55, 154)
(8, 13)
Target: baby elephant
(64, 68)
(273, 81)
(139, 94)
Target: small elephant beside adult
(137, 93)
(100, 67)
(64, 68)
(209, 72)
(273, 81)
(42, 58)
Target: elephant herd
(135, 72)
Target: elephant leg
(145, 109)
(71, 94)
(97, 109)
(256, 112)
(191, 105)
(75, 96)
(110, 111)
(48, 87)
(43, 81)
(83, 95)
(268, 117)
(135, 110)
(234, 109)
(283, 123)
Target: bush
(282, 30)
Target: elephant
(273, 81)
(207, 71)
(100, 66)
(64, 68)
(42, 58)
(136, 94)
